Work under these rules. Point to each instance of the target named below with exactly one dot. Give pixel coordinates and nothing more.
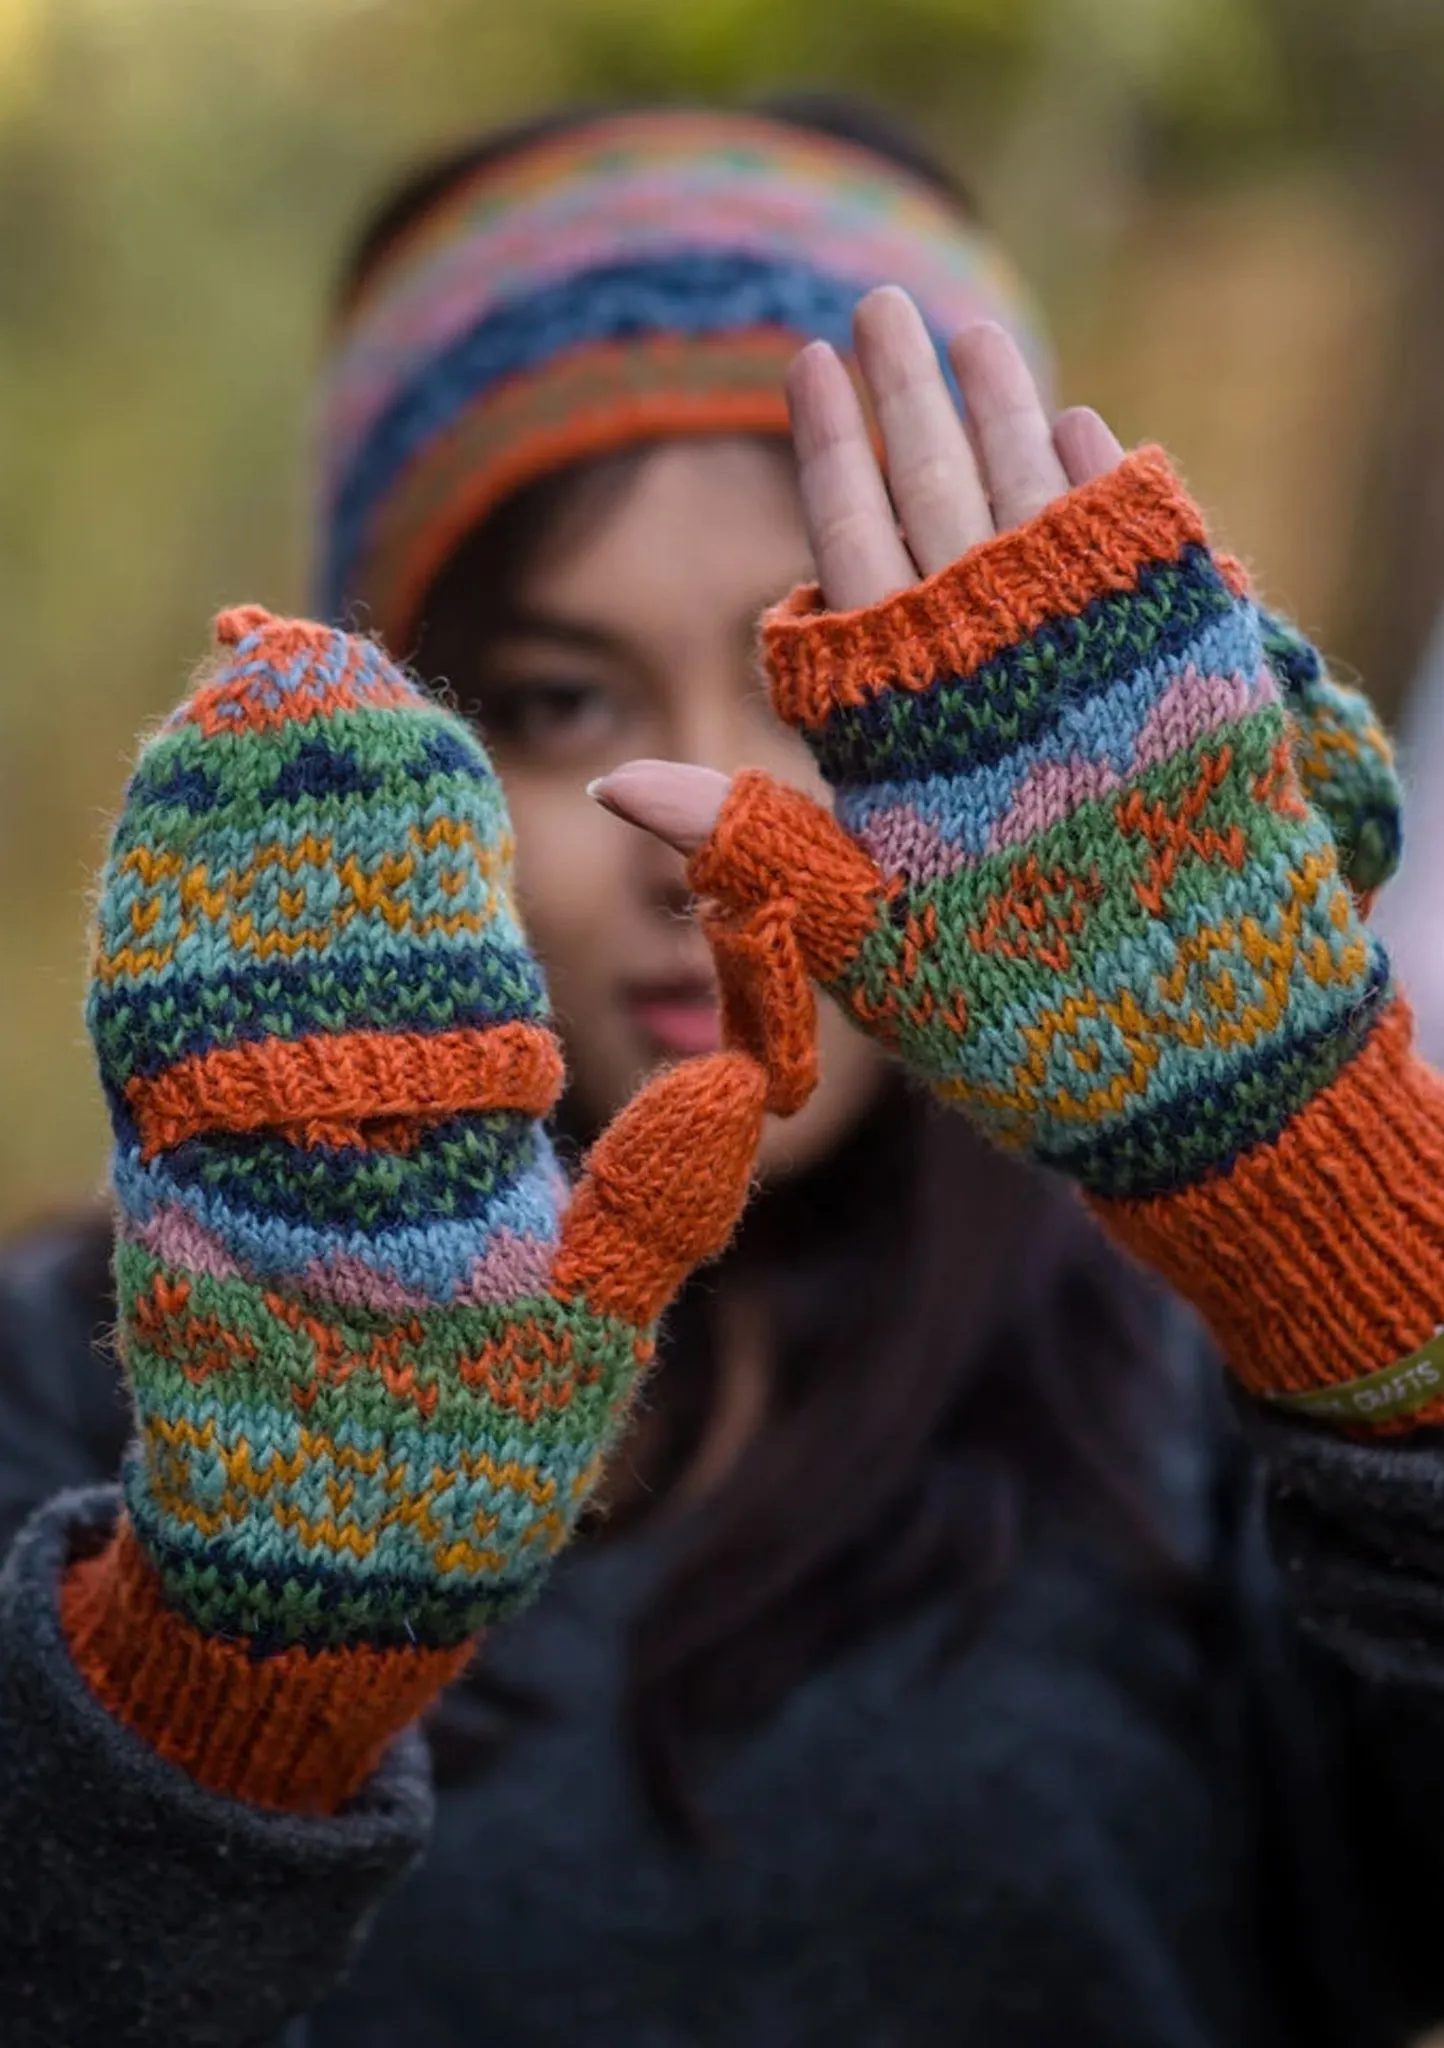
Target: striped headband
(644, 275)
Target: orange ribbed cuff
(1094, 540)
(300, 1731)
(1320, 1258)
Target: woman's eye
(546, 717)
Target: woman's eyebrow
(525, 622)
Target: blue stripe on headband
(688, 293)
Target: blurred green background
(1233, 211)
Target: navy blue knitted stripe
(692, 292)
(971, 721)
(1202, 1132)
(457, 1170)
(317, 770)
(390, 1610)
(141, 1030)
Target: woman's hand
(377, 1349)
(1098, 827)
(1072, 878)
(951, 487)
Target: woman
(930, 1676)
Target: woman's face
(637, 636)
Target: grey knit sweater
(1102, 1825)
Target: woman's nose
(710, 728)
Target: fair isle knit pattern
(1102, 916)
(365, 1412)
(1344, 759)
(644, 275)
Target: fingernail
(599, 793)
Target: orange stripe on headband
(594, 402)
(327, 1089)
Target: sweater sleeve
(1351, 1693)
(64, 1417)
(135, 1907)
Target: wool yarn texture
(1344, 758)
(1074, 881)
(637, 276)
(651, 274)
(377, 1348)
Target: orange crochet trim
(344, 1089)
(636, 1227)
(1094, 540)
(773, 845)
(297, 1732)
(1320, 1258)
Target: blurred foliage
(178, 177)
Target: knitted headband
(646, 275)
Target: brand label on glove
(1389, 1396)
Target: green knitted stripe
(1020, 1071)
(231, 1319)
(1086, 850)
(392, 745)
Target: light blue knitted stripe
(963, 809)
(433, 1261)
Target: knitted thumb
(637, 1225)
(788, 900)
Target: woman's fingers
(850, 521)
(953, 480)
(1087, 446)
(671, 799)
(1021, 466)
(939, 497)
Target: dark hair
(955, 1350)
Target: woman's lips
(681, 1019)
